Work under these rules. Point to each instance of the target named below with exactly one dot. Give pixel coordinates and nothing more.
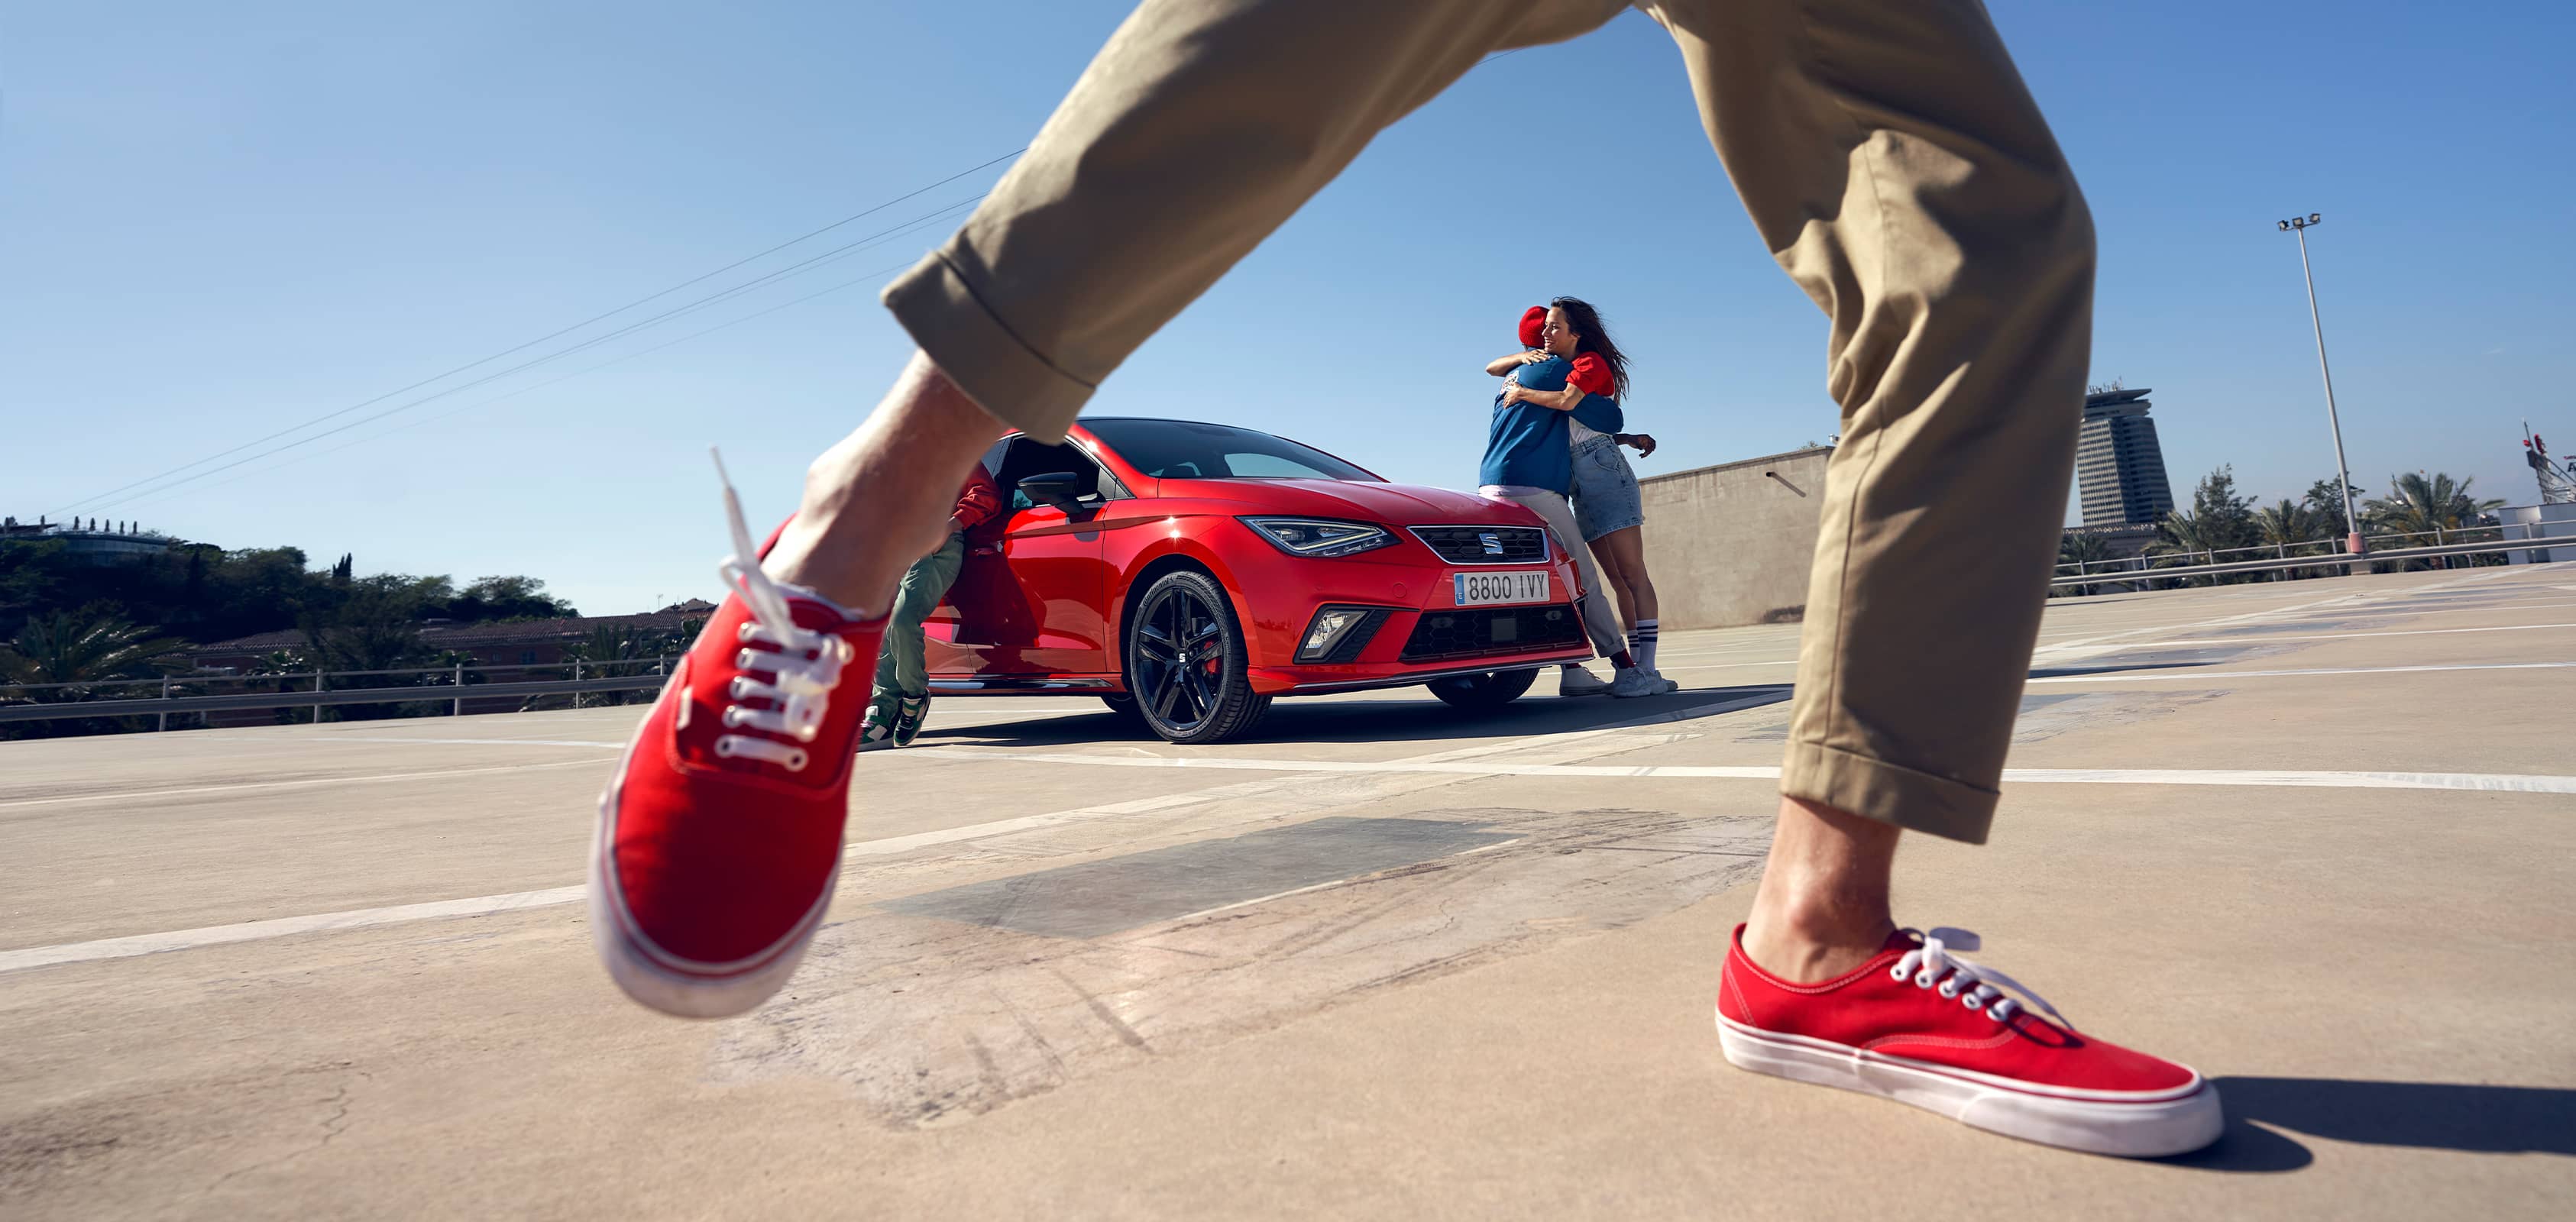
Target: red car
(1189, 573)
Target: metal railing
(449, 684)
(2141, 575)
(2441, 536)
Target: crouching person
(900, 700)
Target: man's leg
(879, 498)
(924, 584)
(900, 668)
(1903, 177)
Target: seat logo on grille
(1493, 543)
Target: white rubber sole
(2146, 1126)
(669, 983)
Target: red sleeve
(978, 500)
(1592, 374)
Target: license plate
(1501, 589)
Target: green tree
(2323, 498)
(374, 629)
(2183, 538)
(2224, 516)
(87, 649)
(84, 647)
(507, 598)
(2432, 506)
(2080, 552)
(2289, 525)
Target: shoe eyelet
(796, 761)
(736, 689)
(1923, 980)
(1973, 1002)
(1896, 973)
(733, 716)
(1949, 988)
(746, 630)
(724, 747)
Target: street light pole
(2343, 475)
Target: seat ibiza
(1189, 573)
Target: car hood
(1393, 504)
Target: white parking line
(2265, 777)
(139, 795)
(2185, 674)
(214, 935)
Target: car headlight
(1320, 537)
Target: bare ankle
(1823, 905)
(875, 502)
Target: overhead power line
(151, 486)
(854, 282)
(87, 502)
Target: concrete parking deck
(1385, 960)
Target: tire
(1483, 693)
(1187, 671)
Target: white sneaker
(1577, 681)
(1633, 683)
(1670, 685)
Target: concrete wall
(1730, 545)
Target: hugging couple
(1553, 448)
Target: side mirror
(1058, 488)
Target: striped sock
(1641, 641)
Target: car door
(1029, 601)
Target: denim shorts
(1605, 490)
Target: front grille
(1469, 633)
(1478, 544)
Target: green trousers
(901, 673)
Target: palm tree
(85, 647)
(2290, 524)
(2077, 554)
(2432, 505)
(2184, 538)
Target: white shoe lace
(806, 664)
(1973, 983)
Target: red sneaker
(719, 839)
(1920, 1025)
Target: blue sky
(217, 221)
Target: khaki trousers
(1893, 163)
(1600, 620)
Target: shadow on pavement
(1422, 719)
(2429, 1115)
(2469, 1118)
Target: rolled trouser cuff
(1889, 793)
(980, 353)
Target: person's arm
(977, 502)
(1554, 400)
(1599, 413)
(1503, 365)
(1642, 443)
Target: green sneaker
(907, 722)
(878, 729)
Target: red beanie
(1531, 321)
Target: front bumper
(1422, 638)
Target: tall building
(2119, 468)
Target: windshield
(1175, 449)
